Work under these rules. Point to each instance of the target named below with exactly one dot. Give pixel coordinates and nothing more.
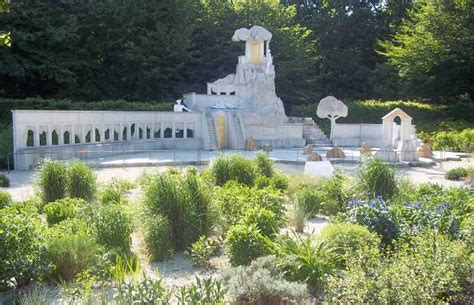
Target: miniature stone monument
(314, 156)
(335, 152)
(308, 149)
(424, 151)
(331, 108)
(365, 150)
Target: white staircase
(239, 137)
(313, 134)
(212, 134)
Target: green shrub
(309, 200)
(36, 294)
(454, 140)
(5, 199)
(456, 174)
(158, 237)
(201, 251)
(376, 178)
(244, 243)
(262, 182)
(306, 262)
(146, 291)
(204, 291)
(71, 253)
(428, 269)
(264, 165)
(6, 138)
(269, 199)
(61, 209)
(113, 192)
(231, 201)
(22, 246)
(346, 239)
(336, 192)
(234, 167)
(261, 283)
(279, 182)
(113, 227)
(264, 219)
(52, 181)
(4, 181)
(81, 181)
(111, 195)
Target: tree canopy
(156, 49)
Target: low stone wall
(28, 158)
(356, 134)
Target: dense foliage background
(156, 50)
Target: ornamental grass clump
(4, 181)
(184, 201)
(52, 181)
(5, 199)
(235, 167)
(81, 181)
(377, 179)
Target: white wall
(356, 134)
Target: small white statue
(178, 107)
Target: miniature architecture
(244, 105)
(239, 111)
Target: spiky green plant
(52, 181)
(81, 181)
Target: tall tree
(434, 49)
(4, 36)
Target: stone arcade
(238, 108)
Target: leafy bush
(113, 192)
(306, 262)
(279, 182)
(234, 167)
(456, 174)
(428, 269)
(6, 138)
(232, 200)
(375, 216)
(264, 165)
(264, 219)
(71, 252)
(309, 200)
(52, 181)
(61, 209)
(335, 194)
(5, 199)
(113, 227)
(158, 237)
(204, 291)
(346, 239)
(245, 243)
(22, 246)
(146, 291)
(110, 195)
(453, 140)
(4, 181)
(261, 283)
(81, 181)
(377, 178)
(201, 251)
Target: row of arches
(67, 135)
